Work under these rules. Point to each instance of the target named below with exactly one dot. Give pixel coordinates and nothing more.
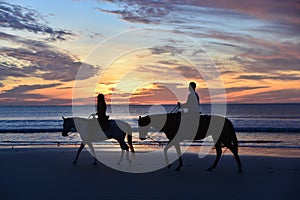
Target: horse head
(144, 125)
(68, 126)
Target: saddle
(177, 120)
(93, 127)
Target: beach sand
(48, 173)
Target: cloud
(162, 12)
(27, 95)
(65, 88)
(260, 55)
(172, 93)
(260, 33)
(188, 72)
(278, 11)
(24, 89)
(165, 93)
(23, 57)
(153, 11)
(107, 83)
(141, 12)
(162, 93)
(274, 96)
(166, 49)
(95, 35)
(270, 58)
(225, 44)
(228, 90)
(282, 77)
(20, 18)
(245, 88)
(36, 58)
(252, 35)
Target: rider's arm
(187, 103)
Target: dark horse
(90, 131)
(170, 125)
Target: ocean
(256, 125)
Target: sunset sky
(252, 46)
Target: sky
(59, 52)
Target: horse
(90, 131)
(220, 128)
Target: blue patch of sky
(77, 16)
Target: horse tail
(234, 140)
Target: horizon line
(230, 103)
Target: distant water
(257, 125)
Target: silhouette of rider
(192, 103)
(101, 112)
(190, 119)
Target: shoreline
(246, 151)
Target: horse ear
(140, 118)
(63, 117)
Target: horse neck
(72, 122)
(158, 121)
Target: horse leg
(93, 153)
(78, 152)
(178, 150)
(218, 147)
(166, 154)
(129, 140)
(236, 156)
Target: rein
(155, 141)
(150, 138)
(175, 109)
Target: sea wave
(31, 130)
(238, 129)
(267, 129)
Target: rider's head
(193, 85)
(100, 97)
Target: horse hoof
(240, 171)
(74, 162)
(94, 163)
(210, 169)
(177, 169)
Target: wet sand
(48, 173)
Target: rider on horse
(190, 120)
(192, 103)
(101, 112)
